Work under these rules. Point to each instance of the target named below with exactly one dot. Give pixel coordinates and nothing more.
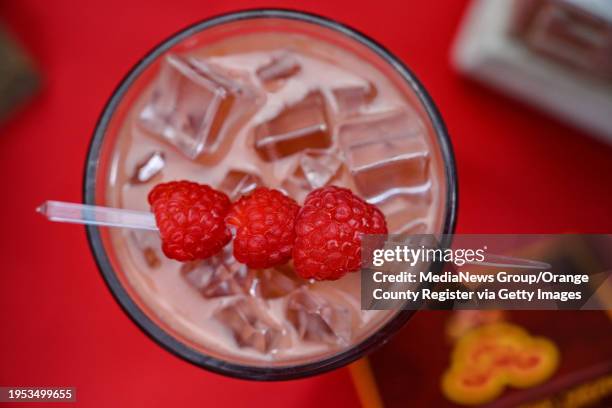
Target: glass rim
(140, 318)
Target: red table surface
(519, 171)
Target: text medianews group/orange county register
(468, 277)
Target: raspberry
(190, 218)
(328, 233)
(264, 220)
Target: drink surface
(284, 111)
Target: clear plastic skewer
(144, 220)
(96, 215)
(502, 261)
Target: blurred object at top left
(19, 80)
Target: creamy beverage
(285, 111)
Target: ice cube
(295, 186)
(283, 65)
(315, 168)
(405, 214)
(297, 127)
(317, 318)
(149, 244)
(351, 99)
(193, 104)
(148, 168)
(402, 174)
(218, 276)
(387, 154)
(319, 166)
(252, 326)
(277, 282)
(237, 183)
(404, 226)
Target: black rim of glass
(167, 341)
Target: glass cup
(100, 164)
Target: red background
(519, 171)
